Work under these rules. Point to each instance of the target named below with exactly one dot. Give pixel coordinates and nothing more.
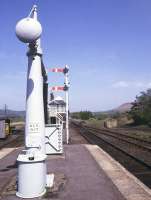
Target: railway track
(123, 137)
(131, 152)
(15, 140)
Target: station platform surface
(83, 172)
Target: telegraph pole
(5, 111)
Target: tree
(75, 115)
(141, 109)
(85, 115)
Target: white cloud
(138, 84)
(120, 84)
(149, 84)
(131, 84)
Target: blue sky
(106, 43)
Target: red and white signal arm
(57, 88)
(58, 70)
(62, 70)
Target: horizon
(106, 44)
(9, 109)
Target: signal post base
(31, 176)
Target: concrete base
(49, 180)
(28, 197)
(31, 176)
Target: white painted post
(31, 162)
(35, 125)
(67, 101)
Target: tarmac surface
(84, 178)
(83, 172)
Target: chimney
(51, 96)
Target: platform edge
(109, 166)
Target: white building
(56, 110)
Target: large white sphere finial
(28, 30)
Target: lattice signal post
(65, 88)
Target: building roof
(57, 101)
(58, 98)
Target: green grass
(94, 123)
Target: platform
(84, 172)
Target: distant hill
(12, 113)
(121, 109)
(124, 107)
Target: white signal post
(66, 72)
(66, 89)
(31, 162)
